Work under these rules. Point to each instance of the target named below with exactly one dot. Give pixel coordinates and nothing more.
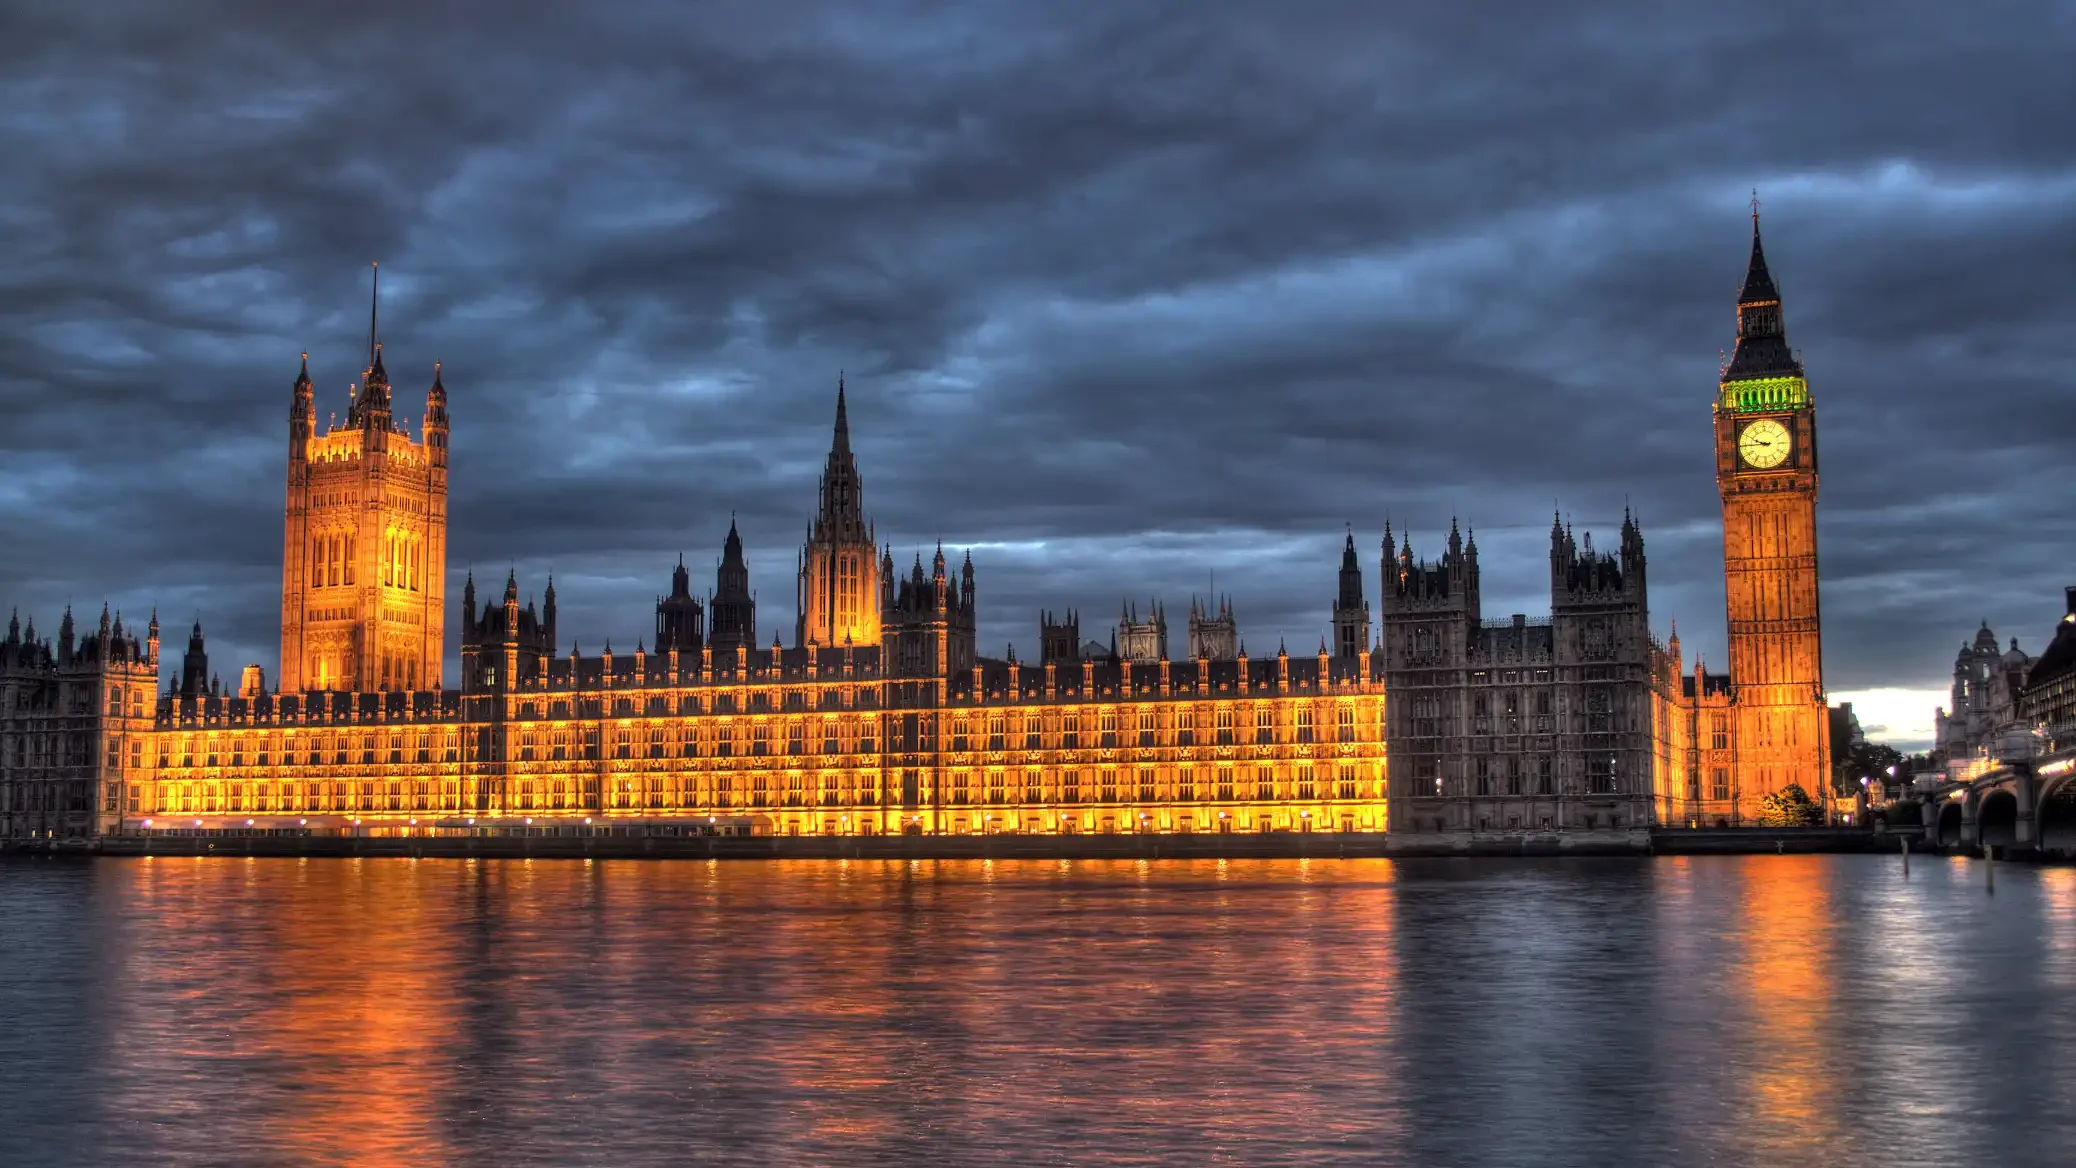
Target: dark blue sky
(1127, 293)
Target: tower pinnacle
(374, 303)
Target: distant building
(1968, 735)
(2048, 698)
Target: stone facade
(76, 727)
(1519, 724)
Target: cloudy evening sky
(1128, 294)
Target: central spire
(1758, 282)
(842, 443)
(841, 517)
(1762, 342)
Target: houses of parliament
(882, 716)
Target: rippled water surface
(1766, 1010)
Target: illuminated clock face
(1764, 444)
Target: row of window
(993, 787)
(1515, 775)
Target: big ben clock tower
(1766, 466)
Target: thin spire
(1759, 287)
(843, 423)
(374, 303)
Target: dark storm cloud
(1130, 297)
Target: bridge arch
(1948, 830)
(2056, 816)
(1996, 818)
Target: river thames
(1757, 1010)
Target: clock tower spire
(1766, 468)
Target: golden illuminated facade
(883, 717)
(364, 549)
(796, 741)
(1766, 467)
(839, 595)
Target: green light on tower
(1762, 394)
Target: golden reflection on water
(385, 1012)
(368, 1006)
(1788, 922)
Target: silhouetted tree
(1790, 806)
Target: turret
(371, 407)
(508, 618)
(733, 610)
(1059, 640)
(548, 634)
(680, 622)
(1632, 546)
(194, 666)
(1351, 612)
(302, 412)
(436, 419)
